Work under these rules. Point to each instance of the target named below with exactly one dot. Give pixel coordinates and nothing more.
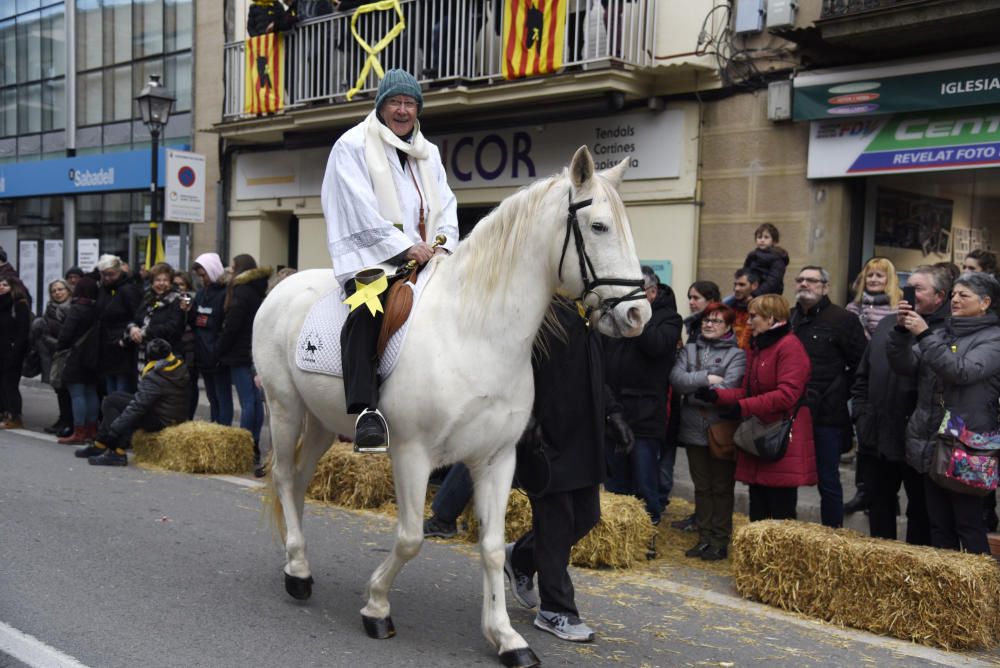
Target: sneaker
(561, 625)
(522, 587)
(109, 458)
(712, 553)
(689, 523)
(435, 527)
(90, 451)
(697, 550)
(370, 432)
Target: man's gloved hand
(706, 394)
(620, 434)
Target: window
(147, 28)
(53, 42)
(118, 94)
(29, 47)
(90, 98)
(8, 53)
(89, 35)
(29, 108)
(53, 104)
(8, 112)
(118, 40)
(177, 77)
(177, 19)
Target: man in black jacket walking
(638, 371)
(160, 401)
(835, 341)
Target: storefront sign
(87, 253)
(83, 174)
(280, 173)
(953, 139)
(52, 266)
(940, 84)
(184, 198)
(651, 141)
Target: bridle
(587, 267)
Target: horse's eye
(599, 227)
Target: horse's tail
(273, 509)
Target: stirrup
(371, 442)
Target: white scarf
(377, 133)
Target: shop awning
(911, 85)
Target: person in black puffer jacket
(638, 371)
(45, 340)
(768, 260)
(234, 347)
(15, 328)
(160, 401)
(205, 315)
(116, 306)
(80, 333)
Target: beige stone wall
(208, 97)
(754, 171)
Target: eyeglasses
(713, 321)
(396, 103)
(806, 279)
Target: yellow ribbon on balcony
(367, 294)
(373, 51)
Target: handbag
(959, 468)
(720, 434)
(768, 442)
(61, 357)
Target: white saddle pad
(318, 349)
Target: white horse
(462, 388)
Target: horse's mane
(483, 258)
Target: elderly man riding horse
(385, 193)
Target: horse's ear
(581, 169)
(616, 173)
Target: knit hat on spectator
(399, 82)
(74, 271)
(157, 349)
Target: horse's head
(596, 257)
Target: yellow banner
(373, 51)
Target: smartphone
(910, 295)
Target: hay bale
(935, 597)
(196, 447)
(618, 541)
(346, 478)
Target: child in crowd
(768, 260)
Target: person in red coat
(777, 373)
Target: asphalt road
(131, 567)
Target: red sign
(853, 98)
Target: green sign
(942, 89)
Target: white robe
(358, 236)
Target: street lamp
(155, 103)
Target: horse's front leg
(410, 470)
(492, 483)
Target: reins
(587, 267)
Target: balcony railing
(445, 42)
(836, 8)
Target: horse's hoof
(299, 588)
(379, 628)
(521, 657)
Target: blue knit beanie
(399, 82)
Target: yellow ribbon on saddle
(373, 51)
(368, 294)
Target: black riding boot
(359, 358)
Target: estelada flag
(265, 74)
(533, 37)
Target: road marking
(36, 434)
(32, 651)
(243, 482)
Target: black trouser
(65, 407)
(773, 503)
(713, 495)
(359, 356)
(882, 483)
(114, 405)
(10, 394)
(558, 521)
(957, 520)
